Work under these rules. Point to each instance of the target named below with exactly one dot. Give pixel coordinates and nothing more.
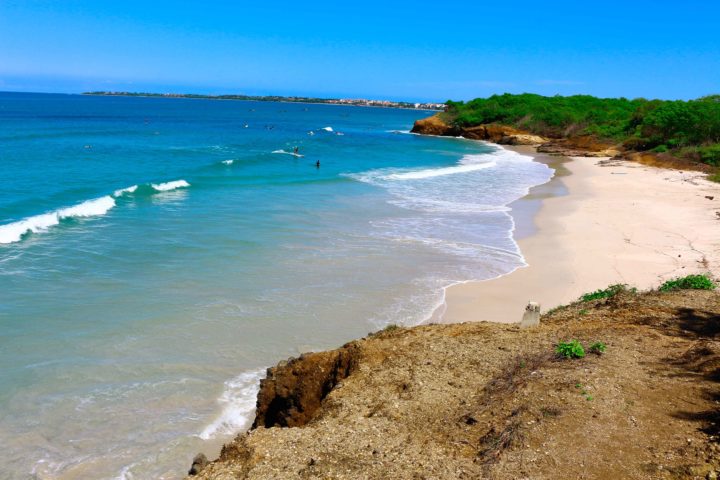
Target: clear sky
(415, 50)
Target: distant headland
(359, 102)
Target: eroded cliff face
(293, 390)
(482, 400)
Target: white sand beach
(620, 222)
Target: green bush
(639, 124)
(715, 177)
(571, 349)
(710, 155)
(598, 348)
(660, 149)
(608, 292)
(691, 282)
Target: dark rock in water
(199, 462)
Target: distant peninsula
(359, 102)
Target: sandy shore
(595, 224)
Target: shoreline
(592, 225)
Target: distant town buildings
(362, 102)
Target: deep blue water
(156, 255)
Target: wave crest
(168, 186)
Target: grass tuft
(608, 292)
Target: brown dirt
(664, 160)
(484, 400)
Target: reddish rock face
(434, 126)
(294, 390)
(501, 134)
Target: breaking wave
(16, 231)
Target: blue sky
(381, 49)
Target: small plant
(608, 292)
(715, 177)
(584, 311)
(691, 282)
(598, 348)
(571, 349)
(584, 392)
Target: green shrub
(710, 155)
(608, 292)
(571, 349)
(715, 177)
(691, 282)
(598, 348)
(660, 149)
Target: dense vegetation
(687, 129)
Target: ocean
(158, 254)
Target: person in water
(296, 150)
(317, 164)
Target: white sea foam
(168, 186)
(285, 152)
(123, 191)
(327, 129)
(238, 405)
(13, 232)
(437, 172)
(228, 162)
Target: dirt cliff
(504, 135)
(484, 400)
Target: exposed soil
(483, 400)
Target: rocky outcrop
(199, 463)
(435, 125)
(500, 134)
(579, 146)
(293, 390)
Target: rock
(710, 197)
(522, 139)
(435, 125)
(199, 463)
(501, 134)
(531, 317)
(712, 475)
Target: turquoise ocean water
(157, 254)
